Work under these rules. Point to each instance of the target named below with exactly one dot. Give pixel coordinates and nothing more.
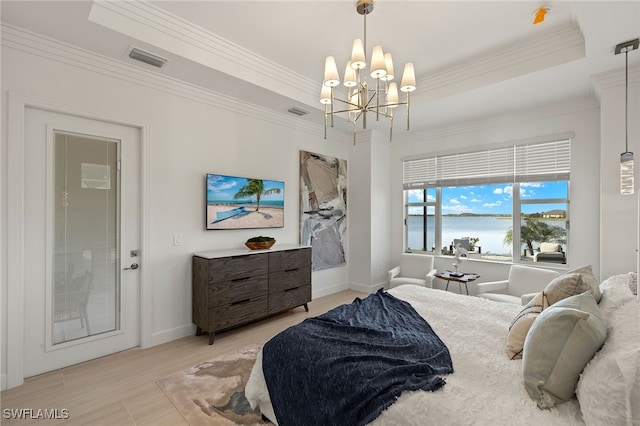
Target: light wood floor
(121, 389)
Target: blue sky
(223, 188)
(496, 199)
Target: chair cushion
(395, 282)
(550, 247)
(562, 340)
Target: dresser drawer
(289, 259)
(227, 292)
(290, 298)
(283, 280)
(239, 312)
(228, 268)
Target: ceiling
(473, 59)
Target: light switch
(177, 239)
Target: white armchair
(523, 284)
(413, 269)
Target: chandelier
(360, 98)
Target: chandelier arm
(388, 105)
(377, 99)
(325, 121)
(408, 110)
(348, 103)
(366, 106)
(363, 107)
(354, 131)
(332, 102)
(343, 110)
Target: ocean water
(264, 203)
(491, 231)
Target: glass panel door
(85, 264)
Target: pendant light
(626, 158)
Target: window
(420, 219)
(509, 203)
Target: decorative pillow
(522, 323)
(614, 372)
(560, 343)
(615, 294)
(571, 283)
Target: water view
(490, 230)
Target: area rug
(212, 393)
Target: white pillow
(559, 344)
(615, 294)
(609, 387)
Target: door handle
(132, 267)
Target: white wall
(360, 211)
(370, 189)
(381, 231)
(580, 116)
(619, 214)
(192, 132)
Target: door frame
(16, 256)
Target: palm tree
(255, 187)
(536, 230)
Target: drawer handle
(291, 270)
(240, 279)
(291, 289)
(239, 302)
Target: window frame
(522, 164)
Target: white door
(81, 240)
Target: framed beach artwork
(323, 208)
(235, 202)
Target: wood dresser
(234, 287)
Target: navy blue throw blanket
(346, 366)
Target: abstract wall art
(323, 208)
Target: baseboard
(328, 290)
(172, 334)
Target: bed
(487, 387)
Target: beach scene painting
(235, 202)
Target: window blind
(537, 162)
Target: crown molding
(156, 26)
(563, 44)
(553, 110)
(32, 43)
(614, 78)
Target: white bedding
(486, 387)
